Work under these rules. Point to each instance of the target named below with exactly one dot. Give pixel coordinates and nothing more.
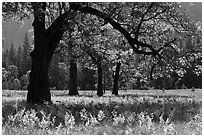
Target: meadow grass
(132, 112)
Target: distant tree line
(17, 64)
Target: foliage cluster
(125, 115)
(10, 79)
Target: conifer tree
(26, 65)
(12, 54)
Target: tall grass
(126, 114)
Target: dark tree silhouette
(116, 79)
(100, 78)
(45, 41)
(73, 78)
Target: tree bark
(100, 79)
(73, 78)
(116, 79)
(38, 88)
(45, 42)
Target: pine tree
(19, 61)
(5, 59)
(26, 65)
(12, 55)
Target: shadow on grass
(176, 110)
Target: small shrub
(119, 120)
(69, 120)
(195, 125)
(4, 85)
(101, 115)
(192, 89)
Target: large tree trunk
(116, 79)
(38, 88)
(45, 42)
(100, 79)
(73, 78)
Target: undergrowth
(128, 116)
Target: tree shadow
(183, 110)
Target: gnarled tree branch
(168, 44)
(133, 43)
(142, 19)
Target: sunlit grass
(129, 113)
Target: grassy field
(146, 112)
